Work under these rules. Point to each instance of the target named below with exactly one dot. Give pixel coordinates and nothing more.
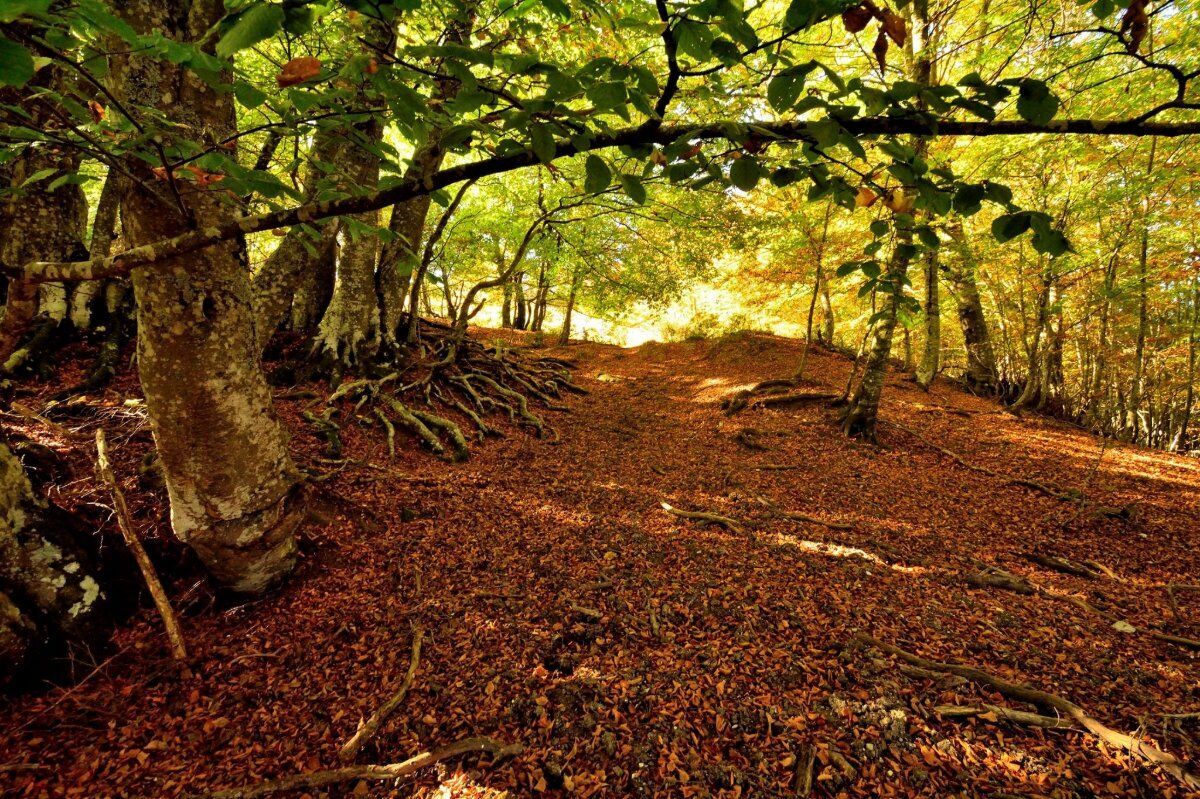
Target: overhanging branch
(123, 262)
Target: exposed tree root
(328, 429)
(701, 516)
(465, 377)
(992, 577)
(1135, 746)
(391, 771)
(108, 360)
(1058, 564)
(770, 393)
(1172, 588)
(994, 712)
(370, 727)
(1068, 495)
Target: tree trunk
(38, 225)
(349, 329)
(520, 307)
(1193, 335)
(863, 408)
(104, 232)
(399, 258)
(294, 270)
(565, 336)
(230, 478)
(981, 359)
(51, 600)
(931, 355)
(1031, 394)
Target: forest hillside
(630, 651)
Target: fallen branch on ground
(1144, 751)
(371, 726)
(1055, 563)
(391, 771)
(1006, 713)
(998, 578)
(1044, 488)
(125, 522)
(1171, 589)
(700, 516)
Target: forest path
(717, 656)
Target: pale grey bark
(230, 478)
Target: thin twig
(125, 521)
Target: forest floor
(636, 653)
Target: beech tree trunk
(50, 596)
(230, 478)
(931, 354)
(399, 258)
(565, 336)
(981, 374)
(37, 224)
(863, 408)
(350, 327)
(293, 272)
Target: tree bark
(931, 354)
(399, 258)
(981, 374)
(564, 337)
(230, 478)
(863, 408)
(292, 273)
(50, 594)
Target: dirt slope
(720, 658)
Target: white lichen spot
(91, 592)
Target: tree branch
(121, 263)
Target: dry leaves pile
(634, 652)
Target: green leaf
(542, 139)
(248, 95)
(928, 237)
(968, 198)
(18, 8)
(259, 21)
(847, 268)
(558, 7)
(16, 64)
(745, 173)
(633, 187)
(1035, 102)
(1008, 226)
(598, 175)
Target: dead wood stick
(701, 516)
(371, 726)
(1137, 747)
(125, 522)
(804, 771)
(1055, 563)
(793, 399)
(390, 771)
(1006, 713)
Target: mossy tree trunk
(296, 280)
(399, 258)
(230, 478)
(981, 374)
(51, 600)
